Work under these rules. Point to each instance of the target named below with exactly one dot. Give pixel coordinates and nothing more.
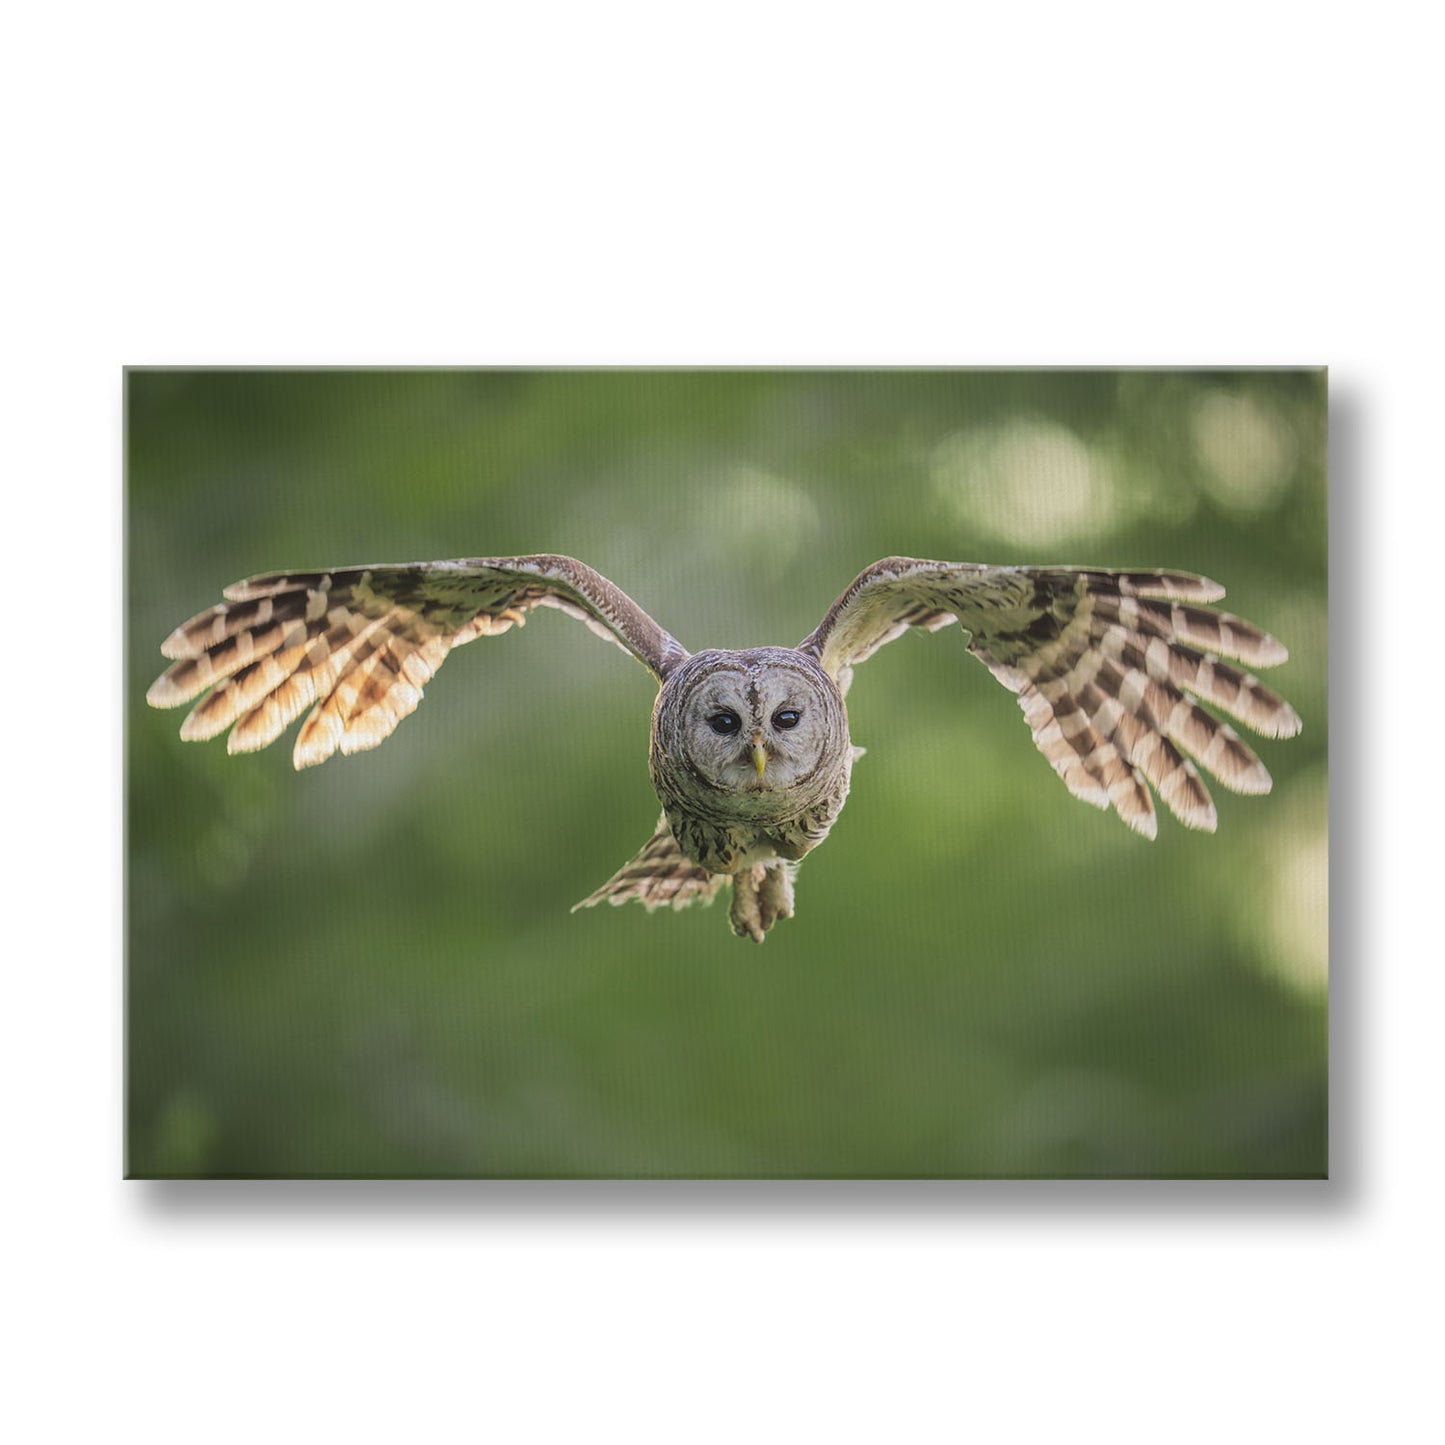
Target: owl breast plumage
(750, 753)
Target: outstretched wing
(357, 644)
(1109, 669)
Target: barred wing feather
(1110, 669)
(356, 645)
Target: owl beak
(760, 756)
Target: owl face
(765, 726)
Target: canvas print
(359, 949)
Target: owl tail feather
(658, 877)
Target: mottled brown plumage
(750, 753)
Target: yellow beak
(760, 757)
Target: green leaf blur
(370, 968)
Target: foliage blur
(370, 968)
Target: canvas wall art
(726, 774)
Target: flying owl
(750, 754)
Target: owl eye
(725, 723)
(786, 717)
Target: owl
(750, 753)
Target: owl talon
(761, 896)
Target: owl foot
(762, 894)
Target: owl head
(765, 725)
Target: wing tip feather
(1269, 651)
(164, 693)
(1254, 781)
(1285, 723)
(1146, 824)
(197, 728)
(238, 741)
(178, 646)
(1201, 820)
(1169, 586)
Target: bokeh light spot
(1026, 481)
(1297, 920)
(1247, 452)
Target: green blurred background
(370, 968)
